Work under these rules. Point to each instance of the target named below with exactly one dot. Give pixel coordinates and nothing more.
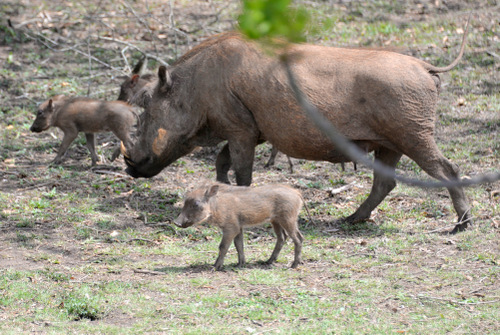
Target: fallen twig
(361, 254)
(139, 239)
(149, 272)
(451, 301)
(123, 176)
(440, 230)
(338, 190)
(491, 53)
(10, 173)
(32, 187)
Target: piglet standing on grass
(233, 208)
(79, 114)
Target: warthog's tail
(434, 69)
(307, 210)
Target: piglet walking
(78, 114)
(233, 208)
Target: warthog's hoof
(459, 228)
(353, 219)
(269, 262)
(218, 267)
(465, 221)
(56, 162)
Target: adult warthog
(227, 88)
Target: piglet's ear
(134, 79)
(50, 104)
(164, 77)
(211, 191)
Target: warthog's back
(369, 95)
(254, 205)
(95, 116)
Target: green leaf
(268, 19)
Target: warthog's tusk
(124, 150)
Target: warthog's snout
(181, 222)
(36, 129)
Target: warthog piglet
(233, 208)
(78, 114)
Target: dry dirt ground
(142, 210)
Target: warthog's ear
(139, 67)
(211, 191)
(164, 77)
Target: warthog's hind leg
(380, 188)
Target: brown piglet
(78, 114)
(138, 88)
(233, 208)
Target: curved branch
(353, 152)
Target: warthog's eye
(194, 204)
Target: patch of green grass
(309, 165)
(337, 181)
(26, 239)
(83, 303)
(55, 276)
(105, 224)
(25, 223)
(84, 233)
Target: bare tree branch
(130, 45)
(41, 38)
(143, 22)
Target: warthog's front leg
(69, 137)
(242, 155)
(228, 235)
(223, 164)
(90, 137)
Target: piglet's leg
(91, 146)
(115, 154)
(123, 135)
(238, 243)
(297, 239)
(228, 235)
(280, 234)
(272, 158)
(69, 137)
